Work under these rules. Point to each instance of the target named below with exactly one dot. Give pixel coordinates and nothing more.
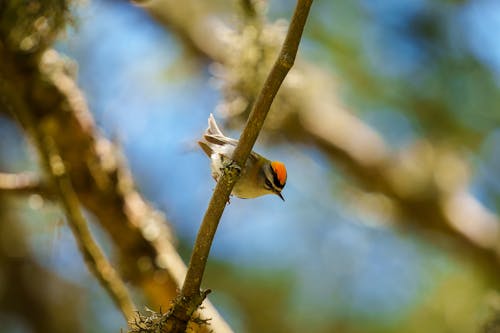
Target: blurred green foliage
(409, 68)
(415, 59)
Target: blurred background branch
(388, 124)
(42, 80)
(33, 293)
(307, 111)
(23, 183)
(55, 168)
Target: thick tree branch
(190, 296)
(41, 79)
(104, 185)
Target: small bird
(259, 176)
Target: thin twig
(190, 293)
(93, 255)
(316, 115)
(23, 183)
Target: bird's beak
(280, 195)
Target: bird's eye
(268, 184)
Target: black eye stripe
(276, 181)
(273, 186)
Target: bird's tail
(213, 129)
(213, 135)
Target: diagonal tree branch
(190, 296)
(56, 169)
(102, 182)
(42, 80)
(312, 113)
(92, 253)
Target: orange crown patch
(280, 171)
